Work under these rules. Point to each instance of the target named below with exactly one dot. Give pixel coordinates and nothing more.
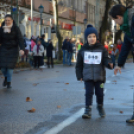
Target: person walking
(42, 39)
(49, 53)
(12, 44)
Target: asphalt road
(59, 101)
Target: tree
(104, 25)
(58, 34)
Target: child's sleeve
(106, 59)
(79, 66)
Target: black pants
(90, 85)
(37, 61)
(48, 61)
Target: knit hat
(89, 30)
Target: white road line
(108, 81)
(65, 123)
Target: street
(59, 100)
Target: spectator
(119, 45)
(70, 52)
(49, 53)
(106, 45)
(27, 49)
(64, 49)
(33, 42)
(114, 54)
(38, 51)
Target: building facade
(71, 13)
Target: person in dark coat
(44, 45)
(90, 68)
(70, 52)
(49, 53)
(64, 49)
(11, 45)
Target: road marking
(65, 123)
(108, 81)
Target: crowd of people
(114, 50)
(70, 49)
(34, 51)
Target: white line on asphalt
(65, 123)
(108, 81)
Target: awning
(35, 13)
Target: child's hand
(111, 65)
(81, 79)
(117, 69)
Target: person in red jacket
(119, 45)
(106, 45)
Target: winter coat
(49, 50)
(65, 45)
(70, 47)
(41, 50)
(43, 43)
(10, 44)
(91, 63)
(32, 45)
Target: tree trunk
(104, 25)
(58, 34)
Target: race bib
(92, 57)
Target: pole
(40, 24)
(11, 7)
(17, 12)
(76, 32)
(31, 17)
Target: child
(124, 17)
(90, 68)
(38, 51)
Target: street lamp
(41, 10)
(85, 22)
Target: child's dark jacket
(91, 62)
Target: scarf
(7, 29)
(125, 26)
(38, 46)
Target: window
(91, 13)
